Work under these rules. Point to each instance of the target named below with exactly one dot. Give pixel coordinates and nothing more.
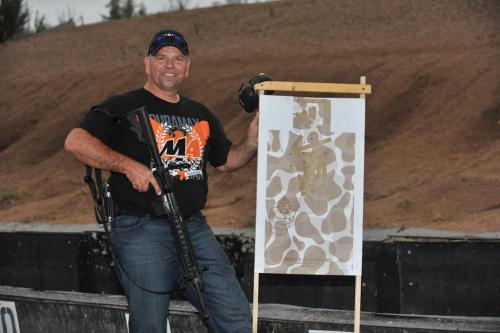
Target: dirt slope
(433, 122)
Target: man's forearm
(242, 153)
(239, 155)
(91, 151)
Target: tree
(128, 9)
(14, 17)
(66, 18)
(119, 9)
(115, 10)
(142, 10)
(178, 5)
(40, 24)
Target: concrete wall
(71, 312)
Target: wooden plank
(314, 87)
(357, 304)
(255, 302)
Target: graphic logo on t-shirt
(181, 142)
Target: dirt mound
(433, 121)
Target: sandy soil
(433, 120)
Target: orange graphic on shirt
(181, 150)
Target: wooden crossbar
(314, 87)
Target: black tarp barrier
(407, 273)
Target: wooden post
(357, 287)
(255, 313)
(362, 80)
(357, 304)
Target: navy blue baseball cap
(168, 38)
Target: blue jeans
(148, 269)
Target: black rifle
(191, 269)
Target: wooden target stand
(331, 88)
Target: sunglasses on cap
(168, 38)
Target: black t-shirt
(188, 136)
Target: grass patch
(7, 199)
(403, 203)
(491, 113)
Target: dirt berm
(433, 120)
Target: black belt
(132, 212)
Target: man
(188, 136)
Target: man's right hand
(91, 151)
(140, 176)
